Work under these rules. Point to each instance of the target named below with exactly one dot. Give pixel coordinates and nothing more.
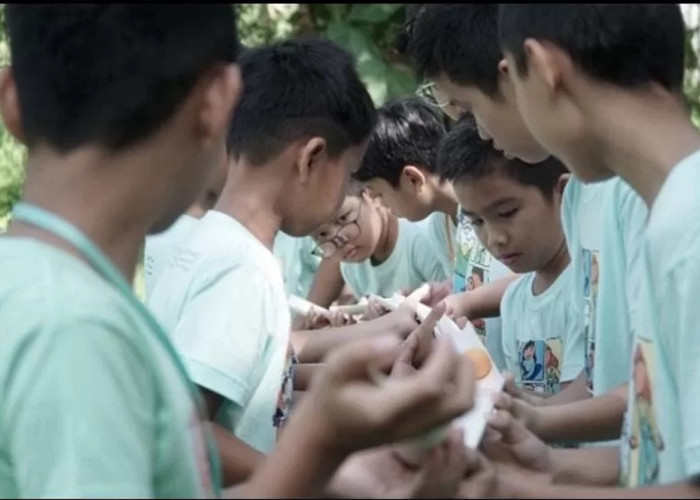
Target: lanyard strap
(52, 223)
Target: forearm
(238, 460)
(678, 490)
(589, 466)
(593, 419)
(485, 301)
(312, 345)
(303, 374)
(576, 390)
(327, 285)
(288, 474)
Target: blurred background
(366, 30)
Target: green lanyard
(52, 223)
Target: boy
(456, 47)
(134, 150)
(637, 70)
(379, 253)
(400, 166)
(515, 214)
(160, 247)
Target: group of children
(553, 209)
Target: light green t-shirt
(298, 264)
(624, 219)
(582, 221)
(441, 231)
(92, 404)
(160, 247)
(222, 300)
(661, 435)
(542, 336)
(411, 263)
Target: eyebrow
(495, 204)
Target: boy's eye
(508, 213)
(477, 222)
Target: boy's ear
(220, 94)
(311, 154)
(561, 184)
(503, 67)
(9, 104)
(543, 61)
(412, 177)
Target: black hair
(458, 40)
(111, 74)
(625, 44)
(299, 88)
(408, 132)
(464, 156)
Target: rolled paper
(304, 307)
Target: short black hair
(111, 74)
(408, 132)
(458, 40)
(299, 88)
(625, 44)
(464, 156)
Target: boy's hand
(349, 410)
(374, 310)
(480, 480)
(507, 441)
(527, 414)
(435, 293)
(511, 388)
(313, 321)
(457, 305)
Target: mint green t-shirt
(582, 221)
(542, 336)
(298, 264)
(92, 403)
(624, 219)
(222, 300)
(440, 231)
(410, 264)
(661, 435)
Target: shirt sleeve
(684, 289)
(574, 342)
(79, 415)
(223, 333)
(428, 265)
(508, 335)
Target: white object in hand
(303, 307)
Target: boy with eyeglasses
(380, 254)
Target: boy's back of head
(408, 132)
(464, 156)
(110, 74)
(304, 104)
(628, 45)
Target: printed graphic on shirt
(591, 278)
(284, 398)
(642, 440)
(540, 363)
(471, 266)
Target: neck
(548, 274)
(445, 200)
(249, 196)
(387, 237)
(654, 136)
(111, 208)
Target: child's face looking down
(497, 119)
(515, 222)
(353, 233)
(411, 199)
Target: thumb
(359, 358)
(512, 430)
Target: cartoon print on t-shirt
(645, 440)
(286, 393)
(539, 363)
(591, 277)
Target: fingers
(512, 431)
(461, 322)
(503, 401)
(355, 359)
(424, 335)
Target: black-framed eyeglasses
(430, 93)
(348, 230)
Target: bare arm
(238, 460)
(685, 489)
(482, 302)
(591, 466)
(312, 345)
(302, 375)
(328, 283)
(576, 390)
(593, 419)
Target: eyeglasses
(430, 93)
(348, 230)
